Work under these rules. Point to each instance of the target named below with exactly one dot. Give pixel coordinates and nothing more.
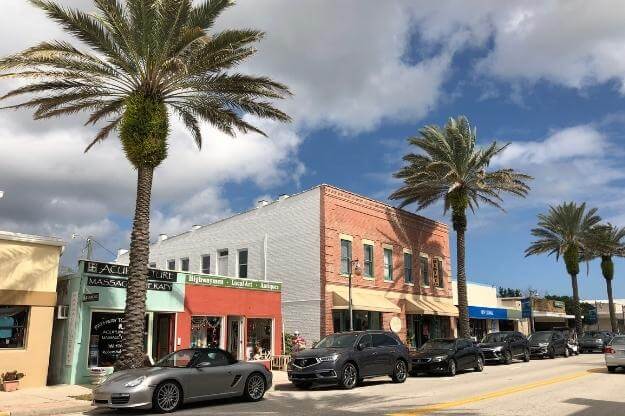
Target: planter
(10, 385)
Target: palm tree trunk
(576, 309)
(133, 352)
(463, 318)
(613, 322)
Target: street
(564, 386)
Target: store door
(163, 342)
(235, 337)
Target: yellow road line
(492, 395)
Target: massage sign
(116, 275)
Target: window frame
(424, 260)
(169, 262)
(388, 267)
(411, 268)
(25, 327)
(202, 257)
(220, 256)
(350, 256)
(246, 264)
(182, 261)
(368, 264)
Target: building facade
(28, 272)
(603, 315)
(306, 240)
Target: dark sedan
(348, 358)
(548, 344)
(448, 356)
(505, 346)
(594, 341)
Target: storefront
(242, 316)
(483, 320)
(428, 318)
(89, 326)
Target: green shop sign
(220, 281)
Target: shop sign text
(231, 282)
(120, 270)
(123, 283)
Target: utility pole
(89, 247)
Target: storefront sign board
(233, 282)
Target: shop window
(184, 264)
(346, 256)
(363, 320)
(206, 264)
(205, 331)
(425, 275)
(13, 325)
(171, 264)
(222, 262)
(408, 267)
(242, 261)
(105, 338)
(368, 262)
(388, 264)
(259, 340)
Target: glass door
(235, 337)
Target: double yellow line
(424, 410)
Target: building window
(425, 275)
(242, 263)
(206, 264)
(184, 264)
(368, 260)
(363, 320)
(222, 262)
(388, 264)
(437, 272)
(171, 264)
(13, 325)
(205, 331)
(346, 256)
(259, 341)
(152, 265)
(105, 338)
(408, 267)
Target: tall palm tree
(566, 230)
(148, 60)
(608, 241)
(451, 168)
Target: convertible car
(184, 376)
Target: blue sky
(366, 75)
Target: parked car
(184, 376)
(448, 356)
(594, 341)
(548, 344)
(615, 353)
(570, 335)
(505, 346)
(348, 358)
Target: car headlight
(543, 344)
(499, 348)
(135, 382)
(439, 358)
(329, 358)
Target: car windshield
(618, 341)
(178, 359)
(495, 337)
(337, 341)
(438, 344)
(540, 337)
(592, 335)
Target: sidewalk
(51, 400)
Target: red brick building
(405, 267)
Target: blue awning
(484, 312)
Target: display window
(259, 338)
(205, 331)
(105, 338)
(13, 324)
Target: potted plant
(11, 380)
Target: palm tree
(451, 168)
(148, 60)
(566, 231)
(608, 241)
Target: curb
(50, 411)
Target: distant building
(603, 315)
(29, 267)
(307, 241)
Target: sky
(546, 76)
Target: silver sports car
(184, 376)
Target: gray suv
(348, 358)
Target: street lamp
(355, 265)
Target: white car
(615, 353)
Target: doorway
(235, 337)
(163, 342)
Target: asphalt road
(577, 386)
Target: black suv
(594, 341)
(548, 344)
(447, 355)
(504, 346)
(347, 358)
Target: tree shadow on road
(596, 407)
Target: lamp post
(355, 265)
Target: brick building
(307, 240)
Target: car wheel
(400, 372)
(479, 365)
(526, 356)
(349, 376)
(611, 368)
(451, 368)
(167, 397)
(507, 357)
(552, 353)
(303, 385)
(567, 353)
(255, 387)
